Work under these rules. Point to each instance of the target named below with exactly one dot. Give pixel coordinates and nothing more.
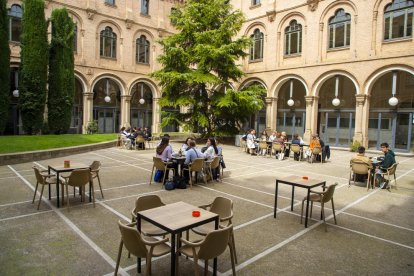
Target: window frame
(252, 50)
(142, 41)
(13, 16)
(288, 36)
(103, 37)
(110, 3)
(390, 26)
(75, 39)
(147, 8)
(256, 2)
(335, 25)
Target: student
(360, 157)
(164, 151)
(251, 142)
(186, 144)
(389, 160)
(191, 154)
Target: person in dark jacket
(389, 160)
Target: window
(255, 2)
(15, 23)
(75, 39)
(339, 29)
(143, 47)
(256, 50)
(145, 7)
(110, 2)
(293, 38)
(373, 123)
(108, 43)
(398, 19)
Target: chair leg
(40, 199)
(333, 210)
(152, 173)
(34, 195)
(163, 177)
(93, 193)
(67, 195)
(99, 182)
(190, 173)
(148, 265)
(310, 215)
(233, 245)
(205, 267)
(195, 260)
(301, 213)
(121, 244)
(323, 216)
(395, 182)
(232, 257)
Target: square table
(175, 218)
(60, 169)
(298, 181)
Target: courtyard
(374, 234)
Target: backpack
(180, 182)
(169, 185)
(158, 176)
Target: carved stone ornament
(128, 23)
(91, 13)
(313, 4)
(271, 15)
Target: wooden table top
(299, 181)
(177, 216)
(73, 166)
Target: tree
(34, 59)
(198, 62)
(4, 65)
(61, 72)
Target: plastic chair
(140, 141)
(388, 173)
(359, 167)
(145, 203)
(276, 147)
(161, 166)
(243, 145)
(295, 148)
(43, 179)
(212, 246)
(215, 164)
(263, 146)
(322, 197)
(140, 247)
(196, 166)
(94, 168)
(314, 152)
(79, 178)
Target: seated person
(313, 144)
(360, 157)
(389, 160)
(251, 142)
(279, 140)
(186, 144)
(264, 136)
(191, 154)
(147, 134)
(296, 141)
(164, 151)
(125, 136)
(273, 136)
(285, 138)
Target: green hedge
(4, 65)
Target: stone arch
(289, 17)
(336, 5)
(105, 23)
(111, 76)
(147, 33)
(285, 78)
(249, 81)
(155, 92)
(77, 16)
(321, 80)
(79, 76)
(382, 71)
(255, 25)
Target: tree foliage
(61, 72)
(199, 60)
(4, 65)
(34, 59)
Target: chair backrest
(263, 145)
(359, 167)
(295, 148)
(158, 163)
(147, 202)
(276, 146)
(317, 150)
(197, 165)
(391, 170)
(95, 166)
(222, 206)
(215, 243)
(39, 177)
(79, 177)
(132, 240)
(140, 139)
(328, 194)
(216, 162)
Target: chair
(314, 152)
(94, 168)
(160, 165)
(243, 144)
(79, 178)
(139, 141)
(388, 173)
(263, 146)
(295, 148)
(212, 246)
(43, 179)
(276, 147)
(196, 166)
(215, 164)
(144, 203)
(140, 247)
(322, 197)
(359, 167)
(224, 208)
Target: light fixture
(107, 98)
(142, 101)
(393, 101)
(336, 101)
(291, 102)
(16, 84)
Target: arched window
(108, 43)
(293, 38)
(143, 47)
(398, 19)
(340, 29)
(15, 23)
(75, 39)
(145, 7)
(256, 50)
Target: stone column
(364, 120)
(156, 116)
(311, 117)
(360, 101)
(87, 110)
(271, 112)
(125, 110)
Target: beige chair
(314, 152)
(161, 166)
(215, 164)
(263, 146)
(43, 179)
(145, 203)
(295, 148)
(388, 173)
(224, 208)
(79, 178)
(322, 197)
(140, 247)
(214, 244)
(359, 167)
(94, 168)
(243, 145)
(196, 166)
(140, 142)
(276, 147)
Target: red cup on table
(196, 214)
(305, 178)
(66, 164)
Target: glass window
(293, 38)
(255, 2)
(339, 29)
(256, 50)
(15, 23)
(75, 39)
(110, 2)
(143, 46)
(145, 7)
(398, 19)
(108, 43)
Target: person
(279, 140)
(264, 136)
(273, 136)
(186, 144)
(313, 144)
(360, 157)
(389, 160)
(125, 137)
(165, 151)
(251, 142)
(285, 140)
(211, 152)
(296, 141)
(147, 134)
(191, 154)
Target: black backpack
(180, 182)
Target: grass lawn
(20, 143)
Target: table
(175, 218)
(298, 181)
(60, 169)
(180, 162)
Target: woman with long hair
(212, 149)
(164, 151)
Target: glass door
(337, 127)
(291, 122)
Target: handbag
(158, 176)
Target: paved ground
(374, 235)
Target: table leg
(48, 172)
(173, 254)
(57, 189)
(275, 208)
(216, 226)
(307, 209)
(293, 197)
